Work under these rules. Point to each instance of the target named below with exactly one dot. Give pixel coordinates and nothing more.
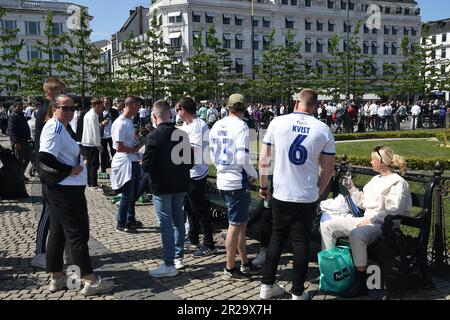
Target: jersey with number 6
(297, 142)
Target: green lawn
(406, 148)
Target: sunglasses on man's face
(67, 108)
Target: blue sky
(109, 15)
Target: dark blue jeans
(126, 213)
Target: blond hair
(54, 83)
(390, 159)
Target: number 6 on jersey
(298, 153)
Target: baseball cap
(234, 99)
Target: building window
(319, 67)
(307, 3)
(256, 44)
(347, 28)
(308, 45)
(32, 28)
(444, 37)
(226, 19)
(386, 30)
(308, 25)
(374, 48)
(399, 10)
(386, 49)
(33, 53)
(405, 31)
(239, 66)
(239, 41)
(293, 2)
(433, 54)
(209, 17)
(289, 23)
(255, 22)
(8, 24)
(394, 49)
(407, 11)
(330, 4)
(238, 20)
(227, 40)
(319, 25)
(288, 44)
(433, 39)
(387, 10)
(345, 46)
(365, 48)
(175, 17)
(57, 29)
(175, 40)
(374, 31)
(284, 2)
(351, 6)
(343, 5)
(196, 17)
(266, 43)
(443, 53)
(266, 22)
(57, 55)
(319, 45)
(394, 31)
(7, 55)
(330, 26)
(160, 22)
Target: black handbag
(51, 177)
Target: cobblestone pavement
(125, 258)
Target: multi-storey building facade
(439, 37)
(28, 17)
(313, 22)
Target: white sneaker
(39, 261)
(271, 291)
(163, 271)
(304, 296)
(179, 263)
(99, 288)
(260, 258)
(57, 284)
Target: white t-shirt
(229, 151)
(57, 141)
(142, 112)
(298, 140)
(108, 127)
(29, 111)
(415, 110)
(198, 131)
(123, 130)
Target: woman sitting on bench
(386, 194)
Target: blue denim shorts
(238, 204)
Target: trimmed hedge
(430, 133)
(412, 163)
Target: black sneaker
(250, 269)
(234, 275)
(188, 244)
(126, 230)
(204, 251)
(135, 225)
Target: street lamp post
(347, 86)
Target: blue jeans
(126, 213)
(169, 210)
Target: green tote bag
(337, 272)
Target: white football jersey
(198, 136)
(297, 142)
(229, 151)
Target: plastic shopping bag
(337, 272)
